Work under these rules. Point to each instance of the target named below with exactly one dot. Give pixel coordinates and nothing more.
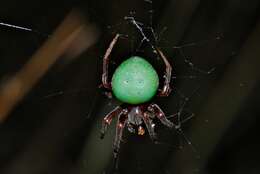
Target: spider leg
(157, 111)
(108, 118)
(166, 90)
(119, 131)
(106, 57)
(149, 126)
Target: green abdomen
(135, 81)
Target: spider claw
(102, 135)
(116, 151)
(155, 140)
(108, 94)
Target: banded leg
(106, 57)
(121, 121)
(157, 111)
(166, 90)
(108, 118)
(149, 126)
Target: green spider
(135, 82)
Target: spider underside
(132, 116)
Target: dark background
(49, 133)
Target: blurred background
(55, 127)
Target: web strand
(193, 67)
(23, 28)
(15, 26)
(178, 126)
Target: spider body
(135, 83)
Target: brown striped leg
(157, 111)
(149, 126)
(106, 84)
(166, 90)
(119, 131)
(108, 118)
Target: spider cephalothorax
(135, 82)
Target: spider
(135, 82)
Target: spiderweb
(148, 36)
(143, 38)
